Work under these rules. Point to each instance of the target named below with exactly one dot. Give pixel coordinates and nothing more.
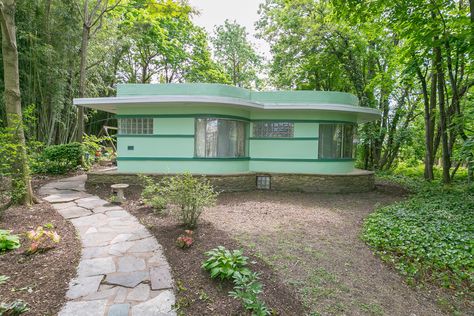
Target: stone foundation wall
(224, 183)
(324, 183)
(350, 183)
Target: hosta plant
(223, 263)
(39, 237)
(247, 288)
(8, 241)
(3, 279)
(14, 308)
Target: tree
(21, 183)
(91, 15)
(236, 54)
(315, 48)
(437, 45)
(161, 43)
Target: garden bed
(41, 279)
(308, 244)
(196, 292)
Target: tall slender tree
(91, 15)
(21, 183)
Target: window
(336, 140)
(263, 182)
(135, 126)
(220, 138)
(273, 129)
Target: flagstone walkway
(122, 270)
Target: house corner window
(220, 138)
(135, 126)
(273, 129)
(336, 141)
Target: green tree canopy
(236, 54)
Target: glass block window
(135, 126)
(336, 141)
(273, 129)
(220, 138)
(263, 182)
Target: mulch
(196, 292)
(41, 279)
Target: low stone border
(354, 182)
(122, 270)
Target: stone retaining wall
(324, 183)
(361, 181)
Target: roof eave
(110, 104)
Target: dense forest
(412, 60)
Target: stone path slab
(123, 271)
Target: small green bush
(191, 195)
(223, 263)
(154, 194)
(59, 159)
(11, 173)
(8, 241)
(247, 288)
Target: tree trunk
(82, 71)
(21, 183)
(446, 156)
(429, 101)
(471, 6)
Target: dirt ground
(312, 242)
(40, 279)
(309, 242)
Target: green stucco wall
(171, 148)
(177, 165)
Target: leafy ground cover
(429, 238)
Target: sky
(215, 12)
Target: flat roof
(194, 94)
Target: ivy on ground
(429, 237)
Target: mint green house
(224, 131)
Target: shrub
(223, 263)
(191, 195)
(154, 194)
(247, 288)
(59, 159)
(14, 308)
(39, 237)
(8, 241)
(11, 173)
(93, 144)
